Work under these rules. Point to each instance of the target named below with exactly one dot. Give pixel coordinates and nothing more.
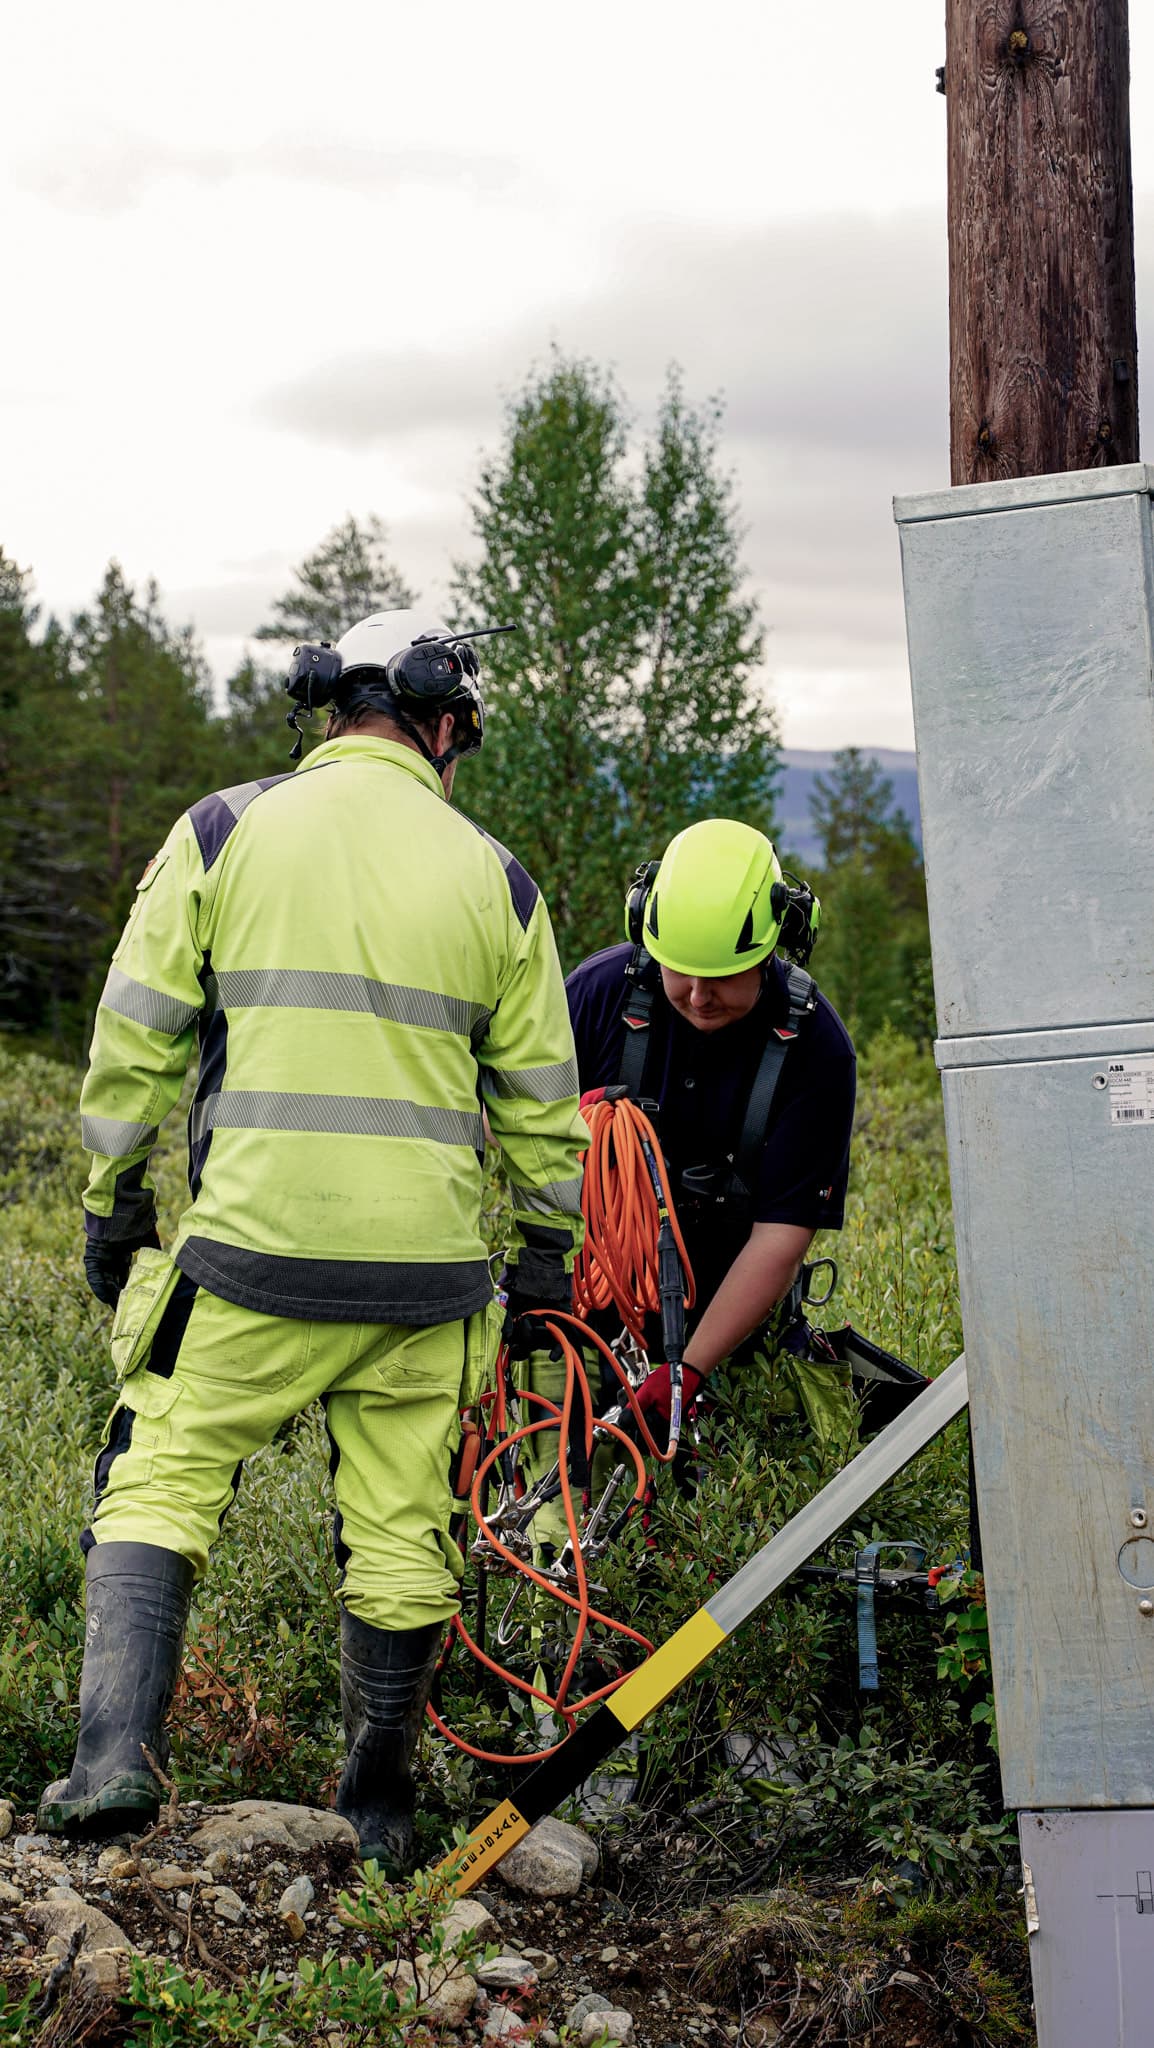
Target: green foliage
(877, 1799)
(141, 741)
(257, 1710)
(254, 738)
(363, 1999)
(830, 1960)
(348, 576)
(18, 2020)
(873, 961)
(964, 1655)
(626, 706)
(46, 934)
(106, 735)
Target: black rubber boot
(386, 1676)
(137, 1606)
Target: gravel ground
(227, 1912)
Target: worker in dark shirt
(753, 1073)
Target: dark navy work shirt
(702, 1080)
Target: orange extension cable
(617, 1264)
(616, 1267)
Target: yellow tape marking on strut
(676, 1659)
(488, 1843)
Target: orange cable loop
(616, 1267)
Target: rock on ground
(449, 1998)
(551, 1862)
(62, 1912)
(469, 1916)
(273, 1820)
(614, 2023)
(592, 2002)
(503, 2024)
(101, 1970)
(297, 1897)
(507, 1973)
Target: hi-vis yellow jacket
(362, 964)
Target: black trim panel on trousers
(337, 1290)
(119, 1438)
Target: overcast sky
(265, 266)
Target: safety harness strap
(802, 1003)
(637, 1016)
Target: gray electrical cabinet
(1089, 1897)
(1030, 616)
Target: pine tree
(708, 741)
(874, 960)
(624, 707)
(143, 743)
(45, 935)
(348, 576)
(254, 737)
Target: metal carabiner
(819, 1300)
(631, 1353)
(507, 1636)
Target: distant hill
(795, 826)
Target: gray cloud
(827, 341)
(111, 173)
(823, 334)
(227, 614)
(227, 610)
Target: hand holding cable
(655, 1394)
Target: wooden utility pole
(1043, 341)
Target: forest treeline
(627, 705)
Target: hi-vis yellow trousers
(204, 1384)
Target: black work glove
(107, 1262)
(524, 1332)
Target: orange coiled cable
(617, 1267)
(617, 1264)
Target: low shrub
(257, 1711)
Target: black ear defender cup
(313, 675)
(798, 913)
(636, 897)
(437, 670)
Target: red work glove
(653, 1395)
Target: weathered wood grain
(1043, 345)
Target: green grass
(258, 1713)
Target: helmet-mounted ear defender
(312, 676)
(430, 671)
(798, 912)
(636, 897)
(433, 672)
(795, 909)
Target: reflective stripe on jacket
(360, 963)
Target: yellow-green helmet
(717, 900)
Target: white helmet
(410, 664)
(373, 642)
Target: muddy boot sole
(127, 1804)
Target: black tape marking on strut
(593, 1739)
